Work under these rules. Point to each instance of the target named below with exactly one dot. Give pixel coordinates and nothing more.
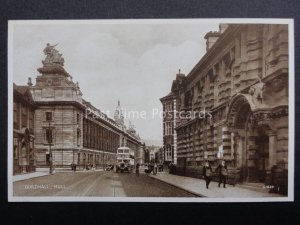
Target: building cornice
(214, 50)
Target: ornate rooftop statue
(54, 62)
(52, 55)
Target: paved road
(102, 184)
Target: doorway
(262, 156)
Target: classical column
(272, 149)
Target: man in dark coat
(207, 173)
(137, 169)
(223, 172)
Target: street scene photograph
(191, 110)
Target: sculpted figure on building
(52, 55)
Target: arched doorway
(251, 141)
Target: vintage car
(124, 166)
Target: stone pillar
(272, 149)
(272, 156)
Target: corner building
(241, 83)
(67, 127)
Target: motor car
(123, 167)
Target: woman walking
(207, 173)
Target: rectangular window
(16, 115)
(24, 117)
(15, 153)
(84, 133)
(31, 121)
(78, 118)
(48, 116)
(49, 136)
(78, 137)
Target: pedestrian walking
(137, 169)
(72, 166)
(155, 169)
(207, 173)
(223, 173)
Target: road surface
(100, 183)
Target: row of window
(49, 117)
(168, 106)
(98, 137)
(84, 158)
(168, 128)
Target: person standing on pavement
(207, 173)
(155, 169)
(137, 169)
(72, 166)
(223, 172)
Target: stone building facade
(169, 133)
(23, 130)
(68, 128)
(233, 105)
(170, 108)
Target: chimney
(29, 83)
(223, 27)
(212, 36)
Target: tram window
(120, 151)
(126, 151)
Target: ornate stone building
(23, 130)
(68, 128)
(233, 105)
(170, 107)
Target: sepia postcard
(174, 110)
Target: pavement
(198, 187)
(45, 172)
(27, 176)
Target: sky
(133, 62)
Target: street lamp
(49, 137)
(50, 150)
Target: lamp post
(50, 151)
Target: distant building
(233, 105)
(161, 156)
(23, 130)
(152, 154)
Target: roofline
(228, 32)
